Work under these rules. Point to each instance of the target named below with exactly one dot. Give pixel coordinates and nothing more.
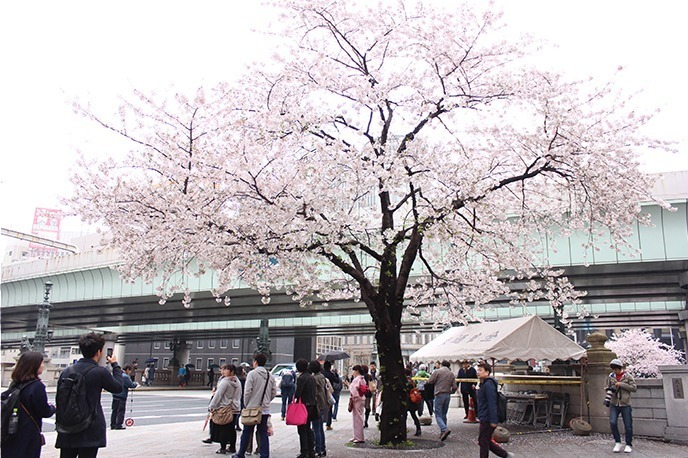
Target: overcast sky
(58, 51)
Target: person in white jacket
(259, 391)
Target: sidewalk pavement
(183, 440)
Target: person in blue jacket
(488, 413)
(32, 407)
(119, 400)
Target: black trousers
(306, 440)
(119, 406)
(85, 452)
(414, 414)
(486, 443)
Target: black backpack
(73, 412)
(287, 380)
(337, 386)
(10, 401)
(501, 404)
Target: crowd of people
(241, 403)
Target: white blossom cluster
(402, 156)
(642, 353)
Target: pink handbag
(297, 414)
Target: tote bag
(297, 414)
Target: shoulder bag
(252, 416)
(222, 415)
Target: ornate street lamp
(42, 334)
(263, 341)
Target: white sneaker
(618, 447)
(628, 449)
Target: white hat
(422, 367)
(616, 362)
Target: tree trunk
(394, 389)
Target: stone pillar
(51, 373)
(598, 371)
(675, 379)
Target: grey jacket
(228, 393)
(444, 381)
(255, 384)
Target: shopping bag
(297, 414)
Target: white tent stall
(522, 339)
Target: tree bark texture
(392, 379)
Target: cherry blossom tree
(642, 353)
(402, 156)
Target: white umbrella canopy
(515, 339)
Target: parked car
(277, 373)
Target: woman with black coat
(305, 392)
(32, 407)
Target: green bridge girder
(89, 294)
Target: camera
(609, 392)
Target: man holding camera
(620, 385)
(84, 440)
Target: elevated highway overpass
(648, 291)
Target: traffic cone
(471, 412)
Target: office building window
(211, 361)
(165, 362)
(223, 343)
(223, 361)
(199, 344)
(235, 361)
(156, 345)
(167, 345)
(236, 343)
(199, 364)
(211, 344)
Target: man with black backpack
(80, 422)
(488, 413)
(287, 388)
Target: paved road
(159, 407)
(169, 424)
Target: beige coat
(622, 397)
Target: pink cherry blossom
(642, 353)
(406, 157)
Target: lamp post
(42, 336)
(263, 341)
